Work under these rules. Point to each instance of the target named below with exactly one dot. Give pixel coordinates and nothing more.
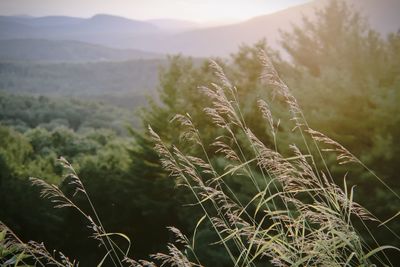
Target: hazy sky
(195, 10)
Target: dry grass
(297, 216)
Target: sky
(193, 10)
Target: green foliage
(297, 214)
(26, 112)
(80, 79)
(34, 153)
(346, 79)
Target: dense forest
(345, 76)
(92, 78)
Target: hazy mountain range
(106, 37)
(115, 38)
(117, 60)
(65, 51)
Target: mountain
(97, 29)
(10, 27)
(220, 41)
(174, 36)
(382, 15)
(174, 25)
(65, 51)
(113, 24)
(48, 21)
(134, 77)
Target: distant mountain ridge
(382, 15)
(167, 36)
(92, 29)
(48, 21)
(65, 51)
(174, 25)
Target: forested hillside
(65, 51)
(26, 112)
(138, 78)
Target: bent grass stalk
(315, 229)
(297, 215)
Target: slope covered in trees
(136, 77)
(65, 51)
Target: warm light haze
(203, 11)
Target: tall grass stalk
(297, 216)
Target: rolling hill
(223, 40)
(381, 15)
(65, 51)
(174, 36)
(174, 25)
(134, 77)
(97, 29)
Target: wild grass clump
(297, 216)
